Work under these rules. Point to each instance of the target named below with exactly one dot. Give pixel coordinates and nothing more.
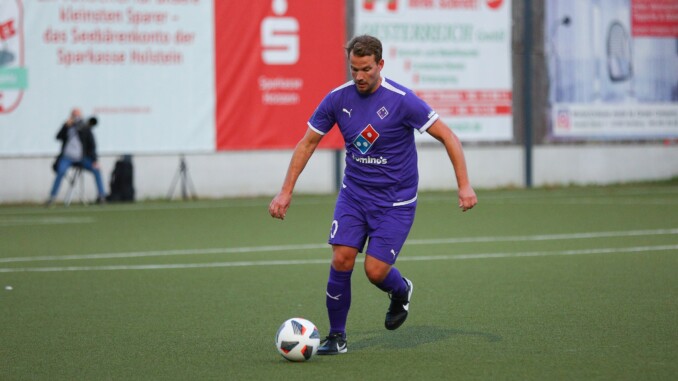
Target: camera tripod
(186, 182)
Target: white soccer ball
(297, 339)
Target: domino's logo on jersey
(366, 139)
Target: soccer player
(377, 118)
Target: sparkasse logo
(494, 4)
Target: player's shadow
(414, 336)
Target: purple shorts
(386, 227)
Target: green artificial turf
(574, 283)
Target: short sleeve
(420, 116)
(323, 118)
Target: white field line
(592, 201)
(262, 249)
(544, 237)
(56, 220)
(163, 253)
(610, 250)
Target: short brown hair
(365, 45)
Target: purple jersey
(381, 156)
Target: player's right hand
(279, 205)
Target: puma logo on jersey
(347, 111)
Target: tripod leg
(184, 196)
(170, 194)
(81, 180)
(71, 187)
(191, 187)
(187, 188)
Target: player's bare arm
(440, 131)
(302, 153)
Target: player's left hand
(467, 198)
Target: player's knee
(343, 258)
(374, 277)
(342, 264)
(376, 271)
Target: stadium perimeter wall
(491, 165)
(260, 173)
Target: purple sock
(338, 299)
(394, 283)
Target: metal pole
(350, 30)
(182, 168)
(527, 89)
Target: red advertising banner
(469, 102)
(654, 18)
(275, 60)
(13, 80)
